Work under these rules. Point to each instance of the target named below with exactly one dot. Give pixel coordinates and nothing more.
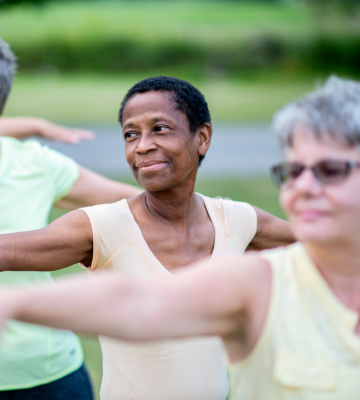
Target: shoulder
(15, 145)
(109, 219)
(106, 211)
(240, 218)
(280, 259)
(233, 211)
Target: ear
(205, 135)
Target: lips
(151, 165)
(311, 214)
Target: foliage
(342, 5)
(217, 39)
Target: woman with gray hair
(289, 317)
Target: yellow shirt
(192, 369)
(308, 349)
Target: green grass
(258, 191)
(96, 98)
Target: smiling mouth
(311, 214)
(150, 166)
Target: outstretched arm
(271, 232)
(91, 189)
(22, 127)
(66, 241)
(217, 298)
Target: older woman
(289, 317)
(167, 132)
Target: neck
(340, 267)
(176, 205)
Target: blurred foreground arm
(22, 127)
(213, 298)
(91, 189)
(271, 232)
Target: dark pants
(75, 386)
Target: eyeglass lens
(326, 171)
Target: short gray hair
(7, 72)
(332, 112)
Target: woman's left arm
(271, 232)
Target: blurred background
(77, 59)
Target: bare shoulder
(76, 218)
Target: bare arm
(22, 127)
(91, 189)
(271, 232)
(219, 298)
(64, 242)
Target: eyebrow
(152, 120)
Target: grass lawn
(96, 98)
(258, 191)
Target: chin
(154, 185)
(315, 234)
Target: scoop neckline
(156, 266)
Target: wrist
(39, 126)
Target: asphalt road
(235, 150)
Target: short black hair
(187, 99)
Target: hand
(22, 127)
(60, 133)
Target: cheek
(129, 152)
(185, 151)
(286, 199)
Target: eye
(160, 128)
(130, 135)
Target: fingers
(81, 134)
(66, 135)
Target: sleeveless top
(191, 369)
(308, 349)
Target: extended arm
(91, 189)
(216, 298)
(64, 242)
(271, 232)
(22, 127)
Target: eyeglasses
(325, 171)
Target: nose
(306, 183)
(145, 143)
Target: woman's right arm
(65, 242)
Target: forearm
(104, 304)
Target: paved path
(235, 150)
